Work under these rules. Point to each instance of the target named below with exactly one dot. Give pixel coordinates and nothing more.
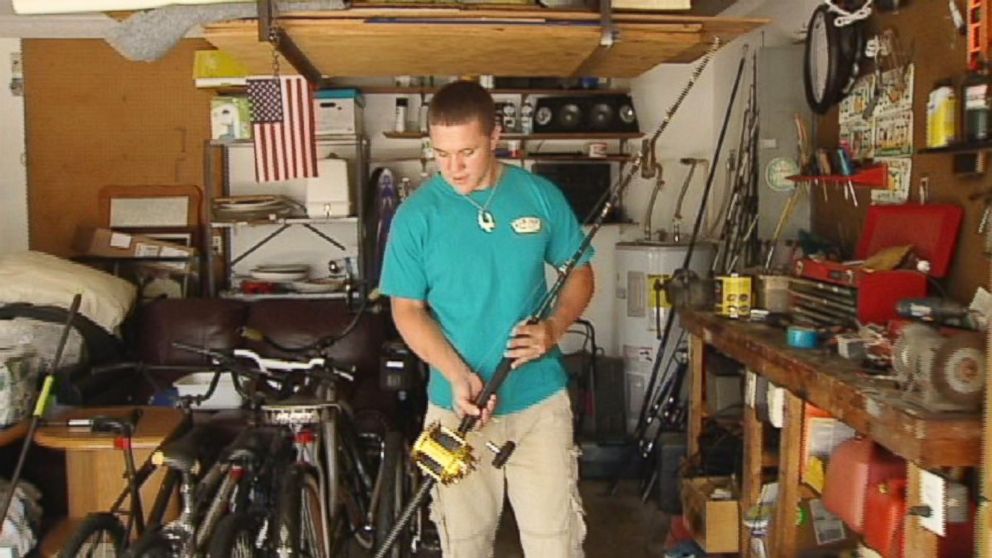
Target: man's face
(464, 154)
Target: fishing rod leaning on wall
(681, 279)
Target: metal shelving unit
(278, 225)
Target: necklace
(485, 217)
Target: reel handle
(502, 453)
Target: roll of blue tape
(803, 337)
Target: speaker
(596, 113)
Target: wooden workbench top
(155, 425)
(869, 404)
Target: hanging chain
(274, 42)
(844, 17)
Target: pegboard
(938, 52)
(94, 119)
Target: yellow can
(734, 297)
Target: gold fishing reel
(444, 455)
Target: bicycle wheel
(236, 536)
(161, 543)
(300, 532)
(392, 480)
(100, 535)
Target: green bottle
(977, 105)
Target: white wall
(13, 180)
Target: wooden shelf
(866, 403)
(616, 158)
(397, 90)
(965, 147)
(871, 177)
(326, 139)
(562, 136)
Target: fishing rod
(39, 407)
(642, 422)
(443, 454)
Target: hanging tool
(659, 182)
(39, 406)
(677, 218)
(441, 453)
(783, 218)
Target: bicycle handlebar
(314, 367)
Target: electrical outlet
(218, 244)
(16, 68)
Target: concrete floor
(618, 525)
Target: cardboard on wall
(108, 243)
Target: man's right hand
(464, 391)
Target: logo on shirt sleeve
(527, 225)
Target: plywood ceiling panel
(448, 41)
(639, 50)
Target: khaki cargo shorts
(540, 480)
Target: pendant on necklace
(486, 220)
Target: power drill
(932, 309)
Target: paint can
(733, 296)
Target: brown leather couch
(218, 323)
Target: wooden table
(869, 404)
(95, 469)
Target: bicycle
(360, 476)
(103, 533)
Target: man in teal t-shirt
(465, 264)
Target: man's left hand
(531, 341)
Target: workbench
(872, 405)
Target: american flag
(283, 128)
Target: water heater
(639, 311)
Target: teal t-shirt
(478, 285)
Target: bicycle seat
(296, 410)
(182, 454)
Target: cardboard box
(822, 433)
(217, 68)
(338, 111)
(114, 244)
(230, 118)
(714, 523)
(819, 533)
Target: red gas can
(885, 512)
(855, 467)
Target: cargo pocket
(578, 524)
(437, 516)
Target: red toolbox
(827, 293)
